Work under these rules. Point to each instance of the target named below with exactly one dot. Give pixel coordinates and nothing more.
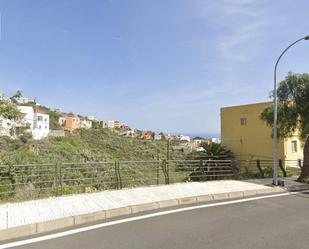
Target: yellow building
(249, 138)
(117, 124)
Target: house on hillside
(124, 127)
(104, 124)
(184, 138)
(36, 119)
(157, 137)
(249, 138)
(216, 140)
(91, 118)
(86, 124)
(72, 123)
(113, 124)
(61, 121)
(148, 135)
(40, 124)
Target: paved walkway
(90, 207)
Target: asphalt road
(280, 222)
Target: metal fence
(264, 168)
(31, 181)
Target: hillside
(83, 145)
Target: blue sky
(166, 65)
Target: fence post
(235, 169)
(282, 168)
(60, 178)
(119, 175)
(164, 168)
(116, 174)
(258, 165)
(56, 178)
(158, 168)
(168, 172)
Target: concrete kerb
(33, 229)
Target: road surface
(278, 222)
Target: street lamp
(275, 106)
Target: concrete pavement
(276, 223)
(33, 217)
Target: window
(243, 121)
(45, 119)
(294, 146)
(40, 118)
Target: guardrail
(31, 181)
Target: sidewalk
(33, 217)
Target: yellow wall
(289, 154)
(251, 141)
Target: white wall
(86, 124)
(40, 128)
(111, 124)
(28, 115)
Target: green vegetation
(9, 110)
(81, 162)
(82, 146)
(293, 113)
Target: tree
(16, 96)
(8, 110)
(293, 113)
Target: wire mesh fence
(32, 181)
(264, 168)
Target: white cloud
(245, 23)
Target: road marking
(142, 217)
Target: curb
(52, 225)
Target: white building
(184, 138)
(157, 137)
(28, 115)
(200, 149)
(91, 118)
(86, 124)
(40, 124)
(111, 124)
(37, 120)
(197, 142)
(216, 140)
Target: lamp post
(275, 106)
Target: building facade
(86, 124)
(249, 138)
(36, 120)
(61, 121)
(40, 128)
(72, 123)
(104, 124)
(113, 124)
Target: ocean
(196, 134)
